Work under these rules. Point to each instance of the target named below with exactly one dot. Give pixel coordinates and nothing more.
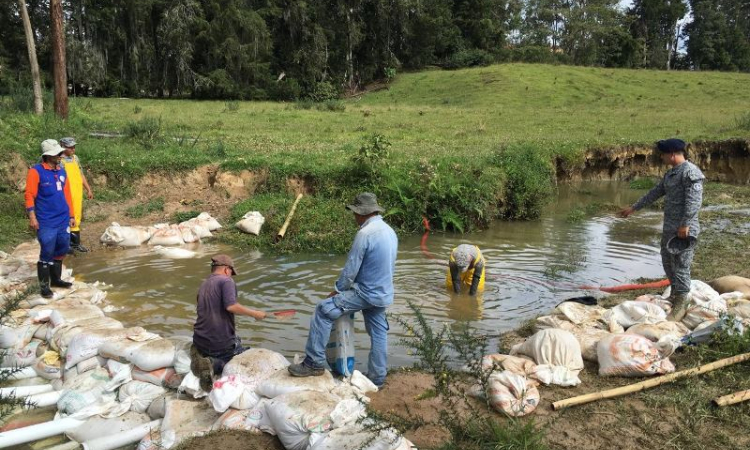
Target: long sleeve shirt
(371, 263)
(682, 189)
(48, 195)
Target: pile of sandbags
(162, 234)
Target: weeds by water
(472, 424)
(642, 183)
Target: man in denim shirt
(365, 284)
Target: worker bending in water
(466, 268)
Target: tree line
(290, 49)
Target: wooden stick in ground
(731, 399)
(282, 231)
(642, 386)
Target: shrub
(182, 216)
(142, 209)
(743, 121)
(469, 58)
(372, 156)
(530, 182)
(323, 91)
(146, 131)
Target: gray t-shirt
(214, 327)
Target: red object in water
(633, 287)
(285, 313)
(423, 244)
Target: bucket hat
(68, 142)
(676, 245)
(223, 260)
(50, 147)
(365, 203)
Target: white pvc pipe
(43, 400)
(38, 431)
(25, 391)
(26, 372)
(122, 439)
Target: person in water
(466, 269)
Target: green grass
(467, 146)
(144, 209)
(14, 225)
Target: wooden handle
(624, 390)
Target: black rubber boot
(75, 242)
(43, 273)
(56, 276)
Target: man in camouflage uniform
(682, 187)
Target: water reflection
(531, 266)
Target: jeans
(376, 324)
(54, 243)
(220, 358)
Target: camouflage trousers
(677, 268)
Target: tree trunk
(38, 104)
(59, 74)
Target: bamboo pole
(731, 399)
(282, 231)
(642, 386)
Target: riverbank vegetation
(460, 147)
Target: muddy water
(531, 267)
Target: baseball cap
(223, 260)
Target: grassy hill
(446, 130)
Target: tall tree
(35, 78)
(719, 35)
(58, 58)
(655, 24)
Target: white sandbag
(84, 390)
(282, 382)
(555, 375)
(553, 346)
(174, 253)
(704, 311)
(255, 365)
(19, 336)
(20, 357)
(656, 300)
(167, 236)
(85, 344)
(157, 409)
(699, 292)
(231, 391)
(589, 339)
(630, 313)
(189, 235)
(49, 365)
(357, 437)
(497, 363)
(156, 354)
(182, 419)
(79, 315)
(578, 313)
(512, 394)
(631, 355)
(120, 350)
(198, 228)
(165, 377)
(119, 374)
(191, 385)
(340, 351)
(297, 415)
(139, 395)
(91, 364)
(116, 234)
(656, 331)
(554, 321)
(97, 427)
(251, 222)
(740, 308)
(731, 283)
(181, 361)
(254, 420)
(205, 220)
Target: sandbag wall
(187, 232)
(115, 385)
(632, 339)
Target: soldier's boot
(679, 307)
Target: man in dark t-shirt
(215, 342)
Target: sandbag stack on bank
(632, 339)
(115, 385)
(187, 232)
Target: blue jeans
(54, 242)
(376, 325)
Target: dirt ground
(232, 440)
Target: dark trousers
(220, 358)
